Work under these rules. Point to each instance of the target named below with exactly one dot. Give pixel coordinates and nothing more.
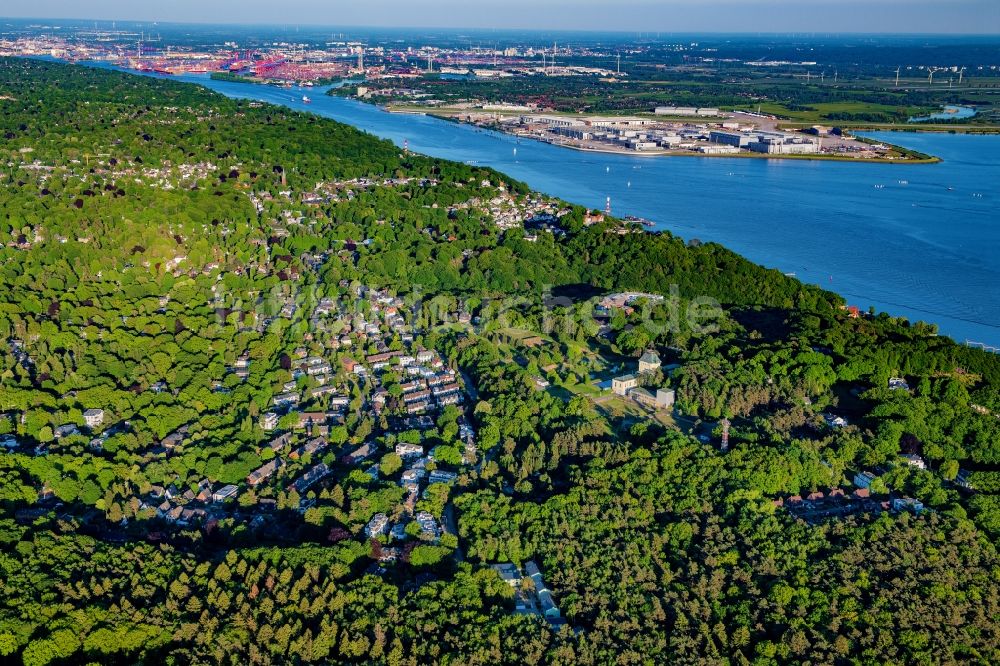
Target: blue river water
(949, 113)
(920, 241)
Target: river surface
(948, 113)
(921, 241)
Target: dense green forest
(172, 258)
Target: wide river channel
(922, 241)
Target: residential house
(94, 418)
(359, 454)
(309, 419)
(323, 391)
(415, 385)
(269, 421)
(863, 479)
(835, 421)
(283, 399)
(314, 474)
(907, 503)
(224, 493)
(264, 472)
(441, 476)
(913, 460)
(509, 573)
(428, 526)
(898, 384)
(405, 450)
(412, 476)
(174, 439)
(449, 399)
(377, 526)
(445, 389)
(622, 385)
(280, 442)
(192, 515)
(310, 447)
(418, 407)
(66, 430)
(546, 603)
(322, 369)
(416, 396)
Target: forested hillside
(275, 391)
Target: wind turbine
(961, 73)
(897, 76)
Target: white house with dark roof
(93, 417)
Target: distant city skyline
(750, 16)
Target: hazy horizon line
(595, 31)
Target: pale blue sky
(938, 16)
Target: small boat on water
(644, 222)
(306, 100)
